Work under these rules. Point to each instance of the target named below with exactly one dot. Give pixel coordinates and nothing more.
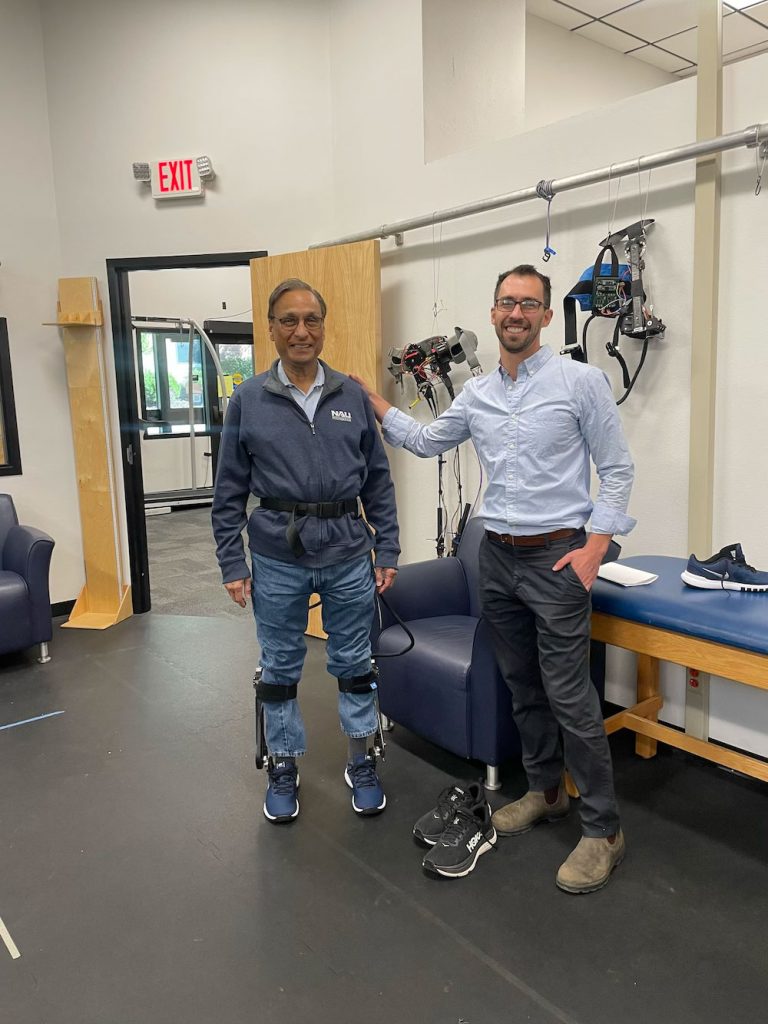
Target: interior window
(164, 382)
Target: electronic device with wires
(429, 361)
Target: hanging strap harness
(613, 290)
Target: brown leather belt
(538, 540)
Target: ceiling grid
(658, 32)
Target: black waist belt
(298, 509)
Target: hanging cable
(612, 214)
(437, 306)
(544, 191)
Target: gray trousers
(540, 622)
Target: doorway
(130, 389)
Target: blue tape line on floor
(12, 725)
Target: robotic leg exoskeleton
(367, 684)
(266, 693)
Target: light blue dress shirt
(534, 437)
(309, 401)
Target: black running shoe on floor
(430, 826)
(467, 836)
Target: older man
(302, 438)
(535, 421)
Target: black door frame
(127, 395)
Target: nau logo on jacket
(340, 414)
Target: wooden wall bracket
(104, 600)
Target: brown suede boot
(521, 815)
(590, 865)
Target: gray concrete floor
(141, 883)
(183, 573)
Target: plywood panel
(104, 600)
(349, 279)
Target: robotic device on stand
(429, 362)
(614, 290)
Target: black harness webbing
(271, 692)
(358, 684)
(299, 509)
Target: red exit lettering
(174, 175)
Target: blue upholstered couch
(25, 605)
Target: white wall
(198, 293)
(46, 493)
(473, 73)
(245, 83)
(567, 74)
(467, 255)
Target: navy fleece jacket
(270, 449)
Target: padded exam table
(723, 632)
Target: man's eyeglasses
(507, 304)
(290, 323)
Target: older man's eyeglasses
(313, 322)
(507, 304)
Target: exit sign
(176, 179)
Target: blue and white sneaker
(281, 802)
(367, 794)
(726, 570)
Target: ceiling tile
(684, 44)
(660, 59)
(759, 11)
(740, 32)
(653, 19)
(557, 13)
(607, 36)
(599, 8)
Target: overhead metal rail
(751, 137)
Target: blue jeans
(280, 597)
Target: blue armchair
(25, 604)
(447, 688)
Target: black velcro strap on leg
(357, 684)
(271, 692)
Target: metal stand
(44, 655)
(492, 780)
